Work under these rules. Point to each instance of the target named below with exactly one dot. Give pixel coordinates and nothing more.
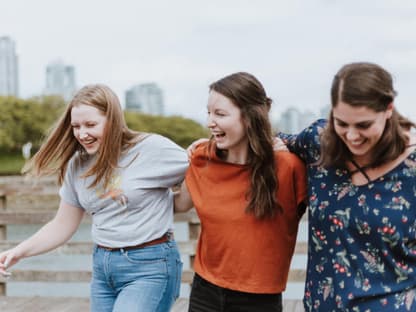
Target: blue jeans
(144, 279)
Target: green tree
(26, 120)
(29, 120)
(181, 130)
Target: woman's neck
(237, 156)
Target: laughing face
(226, 124)
(88, 125)
(360, 128)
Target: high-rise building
(145, 98)
(293, 121)
(9, 80)
(60, 80)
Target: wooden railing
(22, 203)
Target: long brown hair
(61, 144)
(248, 94)
(364, 85)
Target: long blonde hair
(61, 144)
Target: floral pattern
(362, 239)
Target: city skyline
(60, 80)
(145, 98)
(294, 48)
(9, 73)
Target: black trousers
(207, 297)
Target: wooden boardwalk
(48, 304)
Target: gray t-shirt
(137, 205)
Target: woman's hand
(278, 144)
(8, 258)
(191, 148)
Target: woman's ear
(389, 110)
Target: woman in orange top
(249, 199)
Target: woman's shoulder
(316, 127)
(155, 141)
(204, 153)
(288, 159)
(78, 161)
(149, 138)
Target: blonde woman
(122, 179)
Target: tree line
(29, 120)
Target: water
(56, 261)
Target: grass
(11, 164)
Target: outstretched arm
(53, 234)
(183, 200)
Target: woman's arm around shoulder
(306, 144)
(183, 200)
(166, 161)
(296, 170)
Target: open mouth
(89, 143)
(219, 135)
(356, 143)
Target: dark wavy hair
(364, 85)
(248, 94)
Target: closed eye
(363, 126)
(220, 113)
(341, 124)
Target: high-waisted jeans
(138, 280)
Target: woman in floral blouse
(362, 192)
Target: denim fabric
(145, 279)
(207, 297)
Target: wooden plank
(21, 201)
(48, 276)
(85, 248)
(190, 217)
(70, 304)
(295, 275)
(42, 216)
(50, 304)
(181, 305)
(27, 217)
(26, 180)
(301, 248)
(291, 305)
(3, 228)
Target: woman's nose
(210, 122)
(83, 134)
(352, 134)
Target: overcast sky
(293, 47)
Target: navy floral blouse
(362, 239)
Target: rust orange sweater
(235, 250)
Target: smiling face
(360, 128)
(88, 125)
(226, 125)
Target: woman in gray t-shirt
(122, 179)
